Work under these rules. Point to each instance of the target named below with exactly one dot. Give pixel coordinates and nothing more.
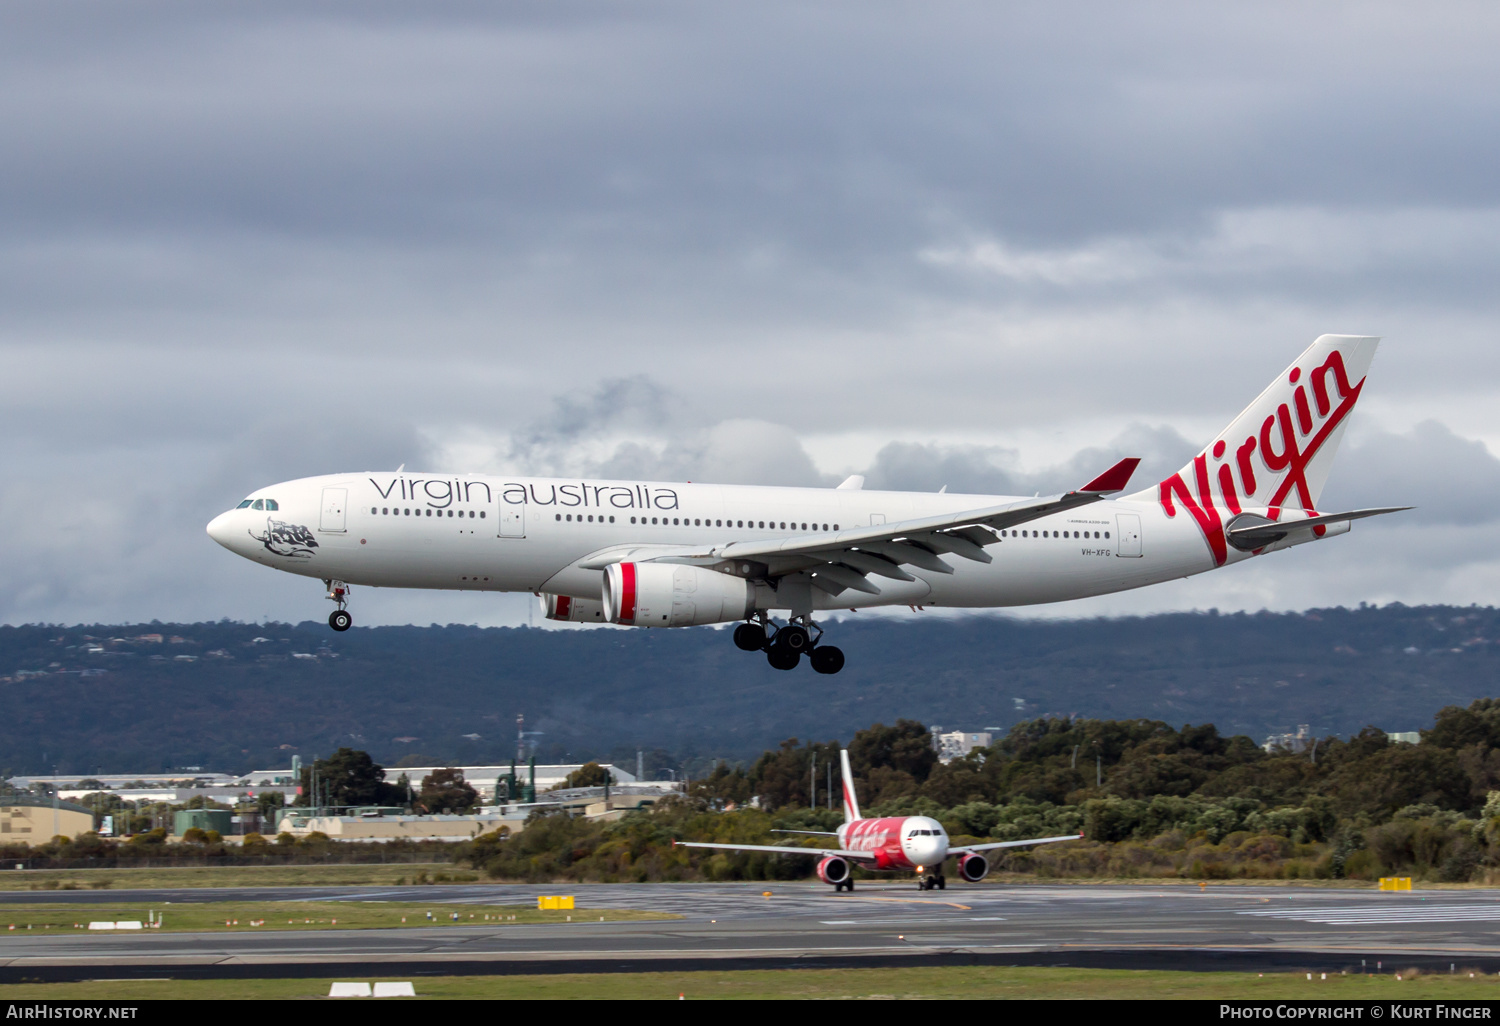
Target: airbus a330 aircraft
(649, 554)
(895, 844)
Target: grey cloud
(250, 241)
(992, 470)
(1450, 479)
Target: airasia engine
(972, 867)
(573, 610)
(669, 595)
(833, 869)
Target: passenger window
(244, 505)
(481, 515)
(1106, 534)
(558, 515)
(257, 504)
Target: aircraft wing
(839, 560)
(852, 856)
(967, 848)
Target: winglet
(1114, 479)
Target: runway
(801, 924)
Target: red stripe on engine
(627, 593)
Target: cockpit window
(257, 504)
(271, 504)
(243, 505)
(914, 833)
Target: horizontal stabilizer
(1256, 532)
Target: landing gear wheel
(750, 637)
(827, 659)
(782, 659)
(340, 620)
(942, 883)
(794, 638)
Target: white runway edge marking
(1353, 916)
(951, 918)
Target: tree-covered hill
(235, 696)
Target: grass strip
(257, 916)
(337, 875)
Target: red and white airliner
(653, 554)
(898, 844)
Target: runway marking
(945, 921)
(912, 901)
(1357, 915)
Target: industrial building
(597, 803)
(33, 821)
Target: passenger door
(332, 518)
(1127, 535)
(512, 520)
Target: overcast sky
(968, 244)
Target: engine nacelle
(972, 867)
(573, 610)
(834, 869)
(669, 595)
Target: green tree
(725, 786)
(892, 762)
(590, 774)
(348, 777)
(445, 790)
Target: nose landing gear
(785, 646)
(927, 883)
(339, 619)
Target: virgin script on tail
(1286, 447)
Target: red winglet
(1115, 478)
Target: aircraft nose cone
(219, 529)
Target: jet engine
(972, 867)
(833, 869)
(573, 610)
(671, 595)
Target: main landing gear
(785, 647)
(339, 619)
(927, 883)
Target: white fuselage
(483, 533)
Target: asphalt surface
(801, 924)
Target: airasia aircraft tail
(851, 803)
